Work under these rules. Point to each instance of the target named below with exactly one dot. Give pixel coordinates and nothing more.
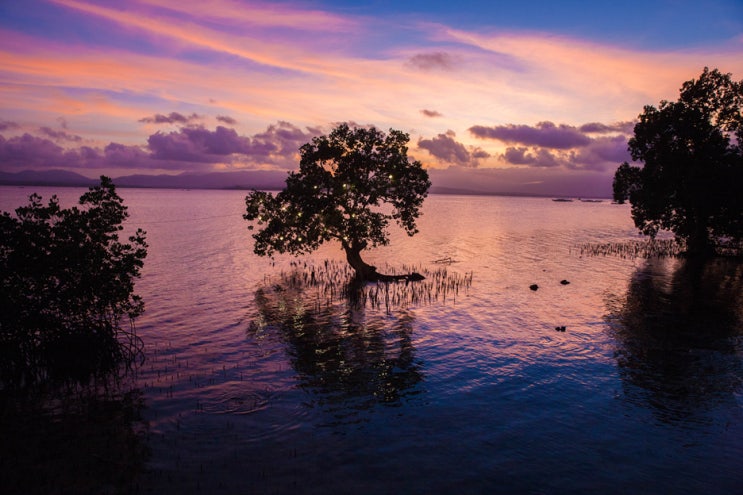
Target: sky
(526, 97)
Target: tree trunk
(699, 243)
(368, 273)
(363, 270)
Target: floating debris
(534, 287)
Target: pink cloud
(262, 15)
(238, 42)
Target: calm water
(251, 388)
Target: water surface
(253, 387)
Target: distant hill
(253, 179)
(508, 182)
(45, 178)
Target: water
(251, 389)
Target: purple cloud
(479, 154)
(544, 134)
(603, 153)
(59, 135)
(592, 146)
(431, 61)
(120, 154)
(172, 118)
(226, 120)
(280, 143)
(30, 151)
(7, 125)
(599, 128)
(431, 113)
(447, 149)
(536, 157)
(197, 144)
(33, 152)
(188, 148)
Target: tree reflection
(348, 359)
(679, 336)
(90, 442)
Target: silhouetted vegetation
(645, 248)
(333, 282)
(66, 290)
(350, 185)
(692, 156)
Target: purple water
(252, 389)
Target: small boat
(563, 200)
(590, 201)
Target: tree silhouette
(66, 287)
(692, 155)
(343, 191)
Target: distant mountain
(249, 179)
(253, 179)
(45, 178)
(510, 182)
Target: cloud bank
(187, 149)
(592, 146)
(446, 149)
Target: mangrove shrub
(67, 299)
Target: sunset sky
(524, 97)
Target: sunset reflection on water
(253, 386)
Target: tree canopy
(350, 185)
(691, 152)
(66, 287)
